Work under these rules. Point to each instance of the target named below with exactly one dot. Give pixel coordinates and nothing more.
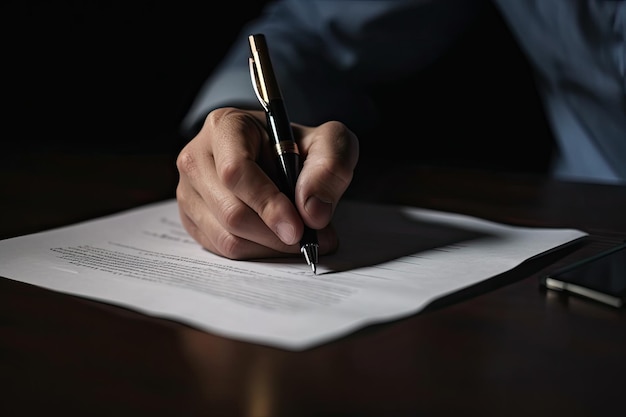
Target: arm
(327, 53)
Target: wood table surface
(504, 347)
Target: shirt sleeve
(328, 53)
(578, 50)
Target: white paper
(392, 261)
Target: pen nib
(310, 252)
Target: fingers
(238, 169)
(206, 229)
(211, 213)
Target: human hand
(228, 201)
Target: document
(392, 262)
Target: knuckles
(186, 162)
(229, 246)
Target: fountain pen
(279, 129)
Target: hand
(228, 201)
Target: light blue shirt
(323, 50)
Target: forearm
(327, 54)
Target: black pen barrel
(285, 146)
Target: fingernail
(319, 209)
(286, 233)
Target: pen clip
(256, 83)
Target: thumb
(330, 154)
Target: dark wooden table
(505, 348)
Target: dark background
(93, 93)
(108, 76)
(113, 77)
